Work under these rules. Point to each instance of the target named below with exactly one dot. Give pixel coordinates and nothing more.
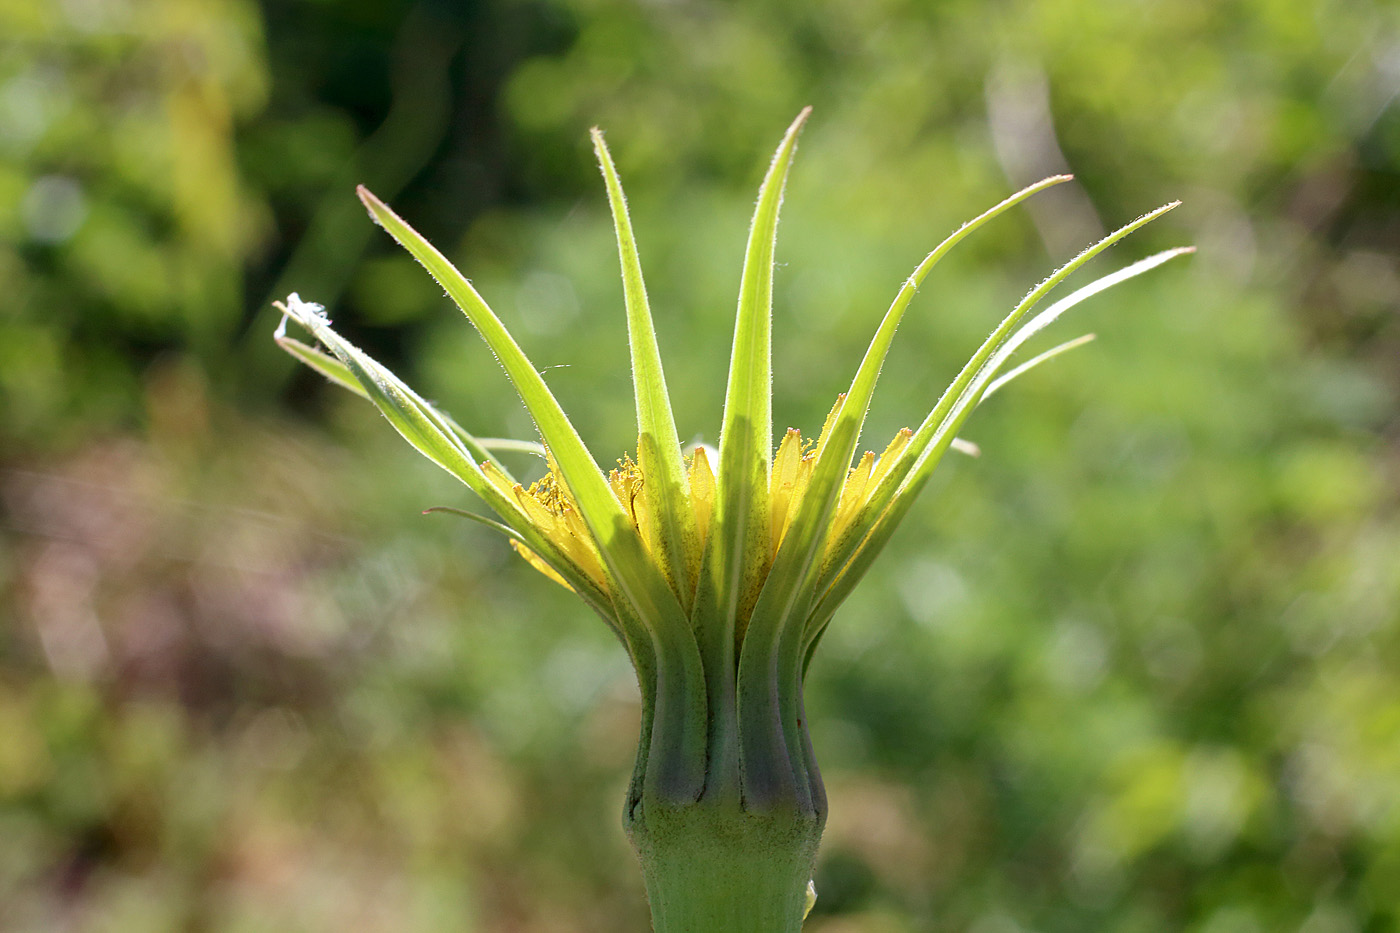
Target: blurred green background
(1133, 670)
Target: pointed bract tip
(600, 147)
(371, 203)
(368, 198)
(1149, 216)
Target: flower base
(716, 868)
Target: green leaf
(849, 575)
(1030, 364)
(597, 504)
(658, 448)
(887, 507)
(325, 364)
(774, 638)
(806, 536)
(340, 374)
(857, 401)
(636, 579)
(590, 594)
(739, 538)
(511, 445)
(429, 431)
(420, 424)
(988, 370)
(506, 530)
(586, 481)
(923, 440)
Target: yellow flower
(718, 577)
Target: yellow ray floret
(549, 507)
(627, 482)
(534, 560)
(854, 492)
(702, 500)
(792, 471)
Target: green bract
(719, 579)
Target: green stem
(716, 868)
(734, 852)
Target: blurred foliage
(1133, 670)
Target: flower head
(719, 575)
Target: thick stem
(715, 868)
(735, 853)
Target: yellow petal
(627, 483)
(496, 477)
(799, 490)
(781, 484)
(702, 493)
(854, 491)
(850, 511)
(888, 458)
(618, 481)
(578, 545)
(534, 560)
(539, 514)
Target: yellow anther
(542, 515)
